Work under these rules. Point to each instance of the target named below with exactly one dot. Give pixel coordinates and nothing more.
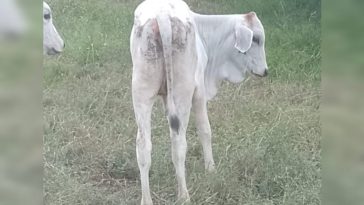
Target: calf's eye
(47, 16)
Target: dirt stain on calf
(180, 34)
(150, 34)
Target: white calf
(182, 57)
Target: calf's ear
(243, 38)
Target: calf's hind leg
(179, 143)
(143, 100)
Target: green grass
(266, 132)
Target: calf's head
(249, 42)
(52, 41)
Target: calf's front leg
(203, 129)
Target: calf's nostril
(64, 45)
(265, 72)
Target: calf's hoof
(210, 168)
(146, 202)
(184, 199)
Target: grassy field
(266, 132)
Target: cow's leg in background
(203, 127)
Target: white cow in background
(182, 56)
(12, 20)
(52, 41)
